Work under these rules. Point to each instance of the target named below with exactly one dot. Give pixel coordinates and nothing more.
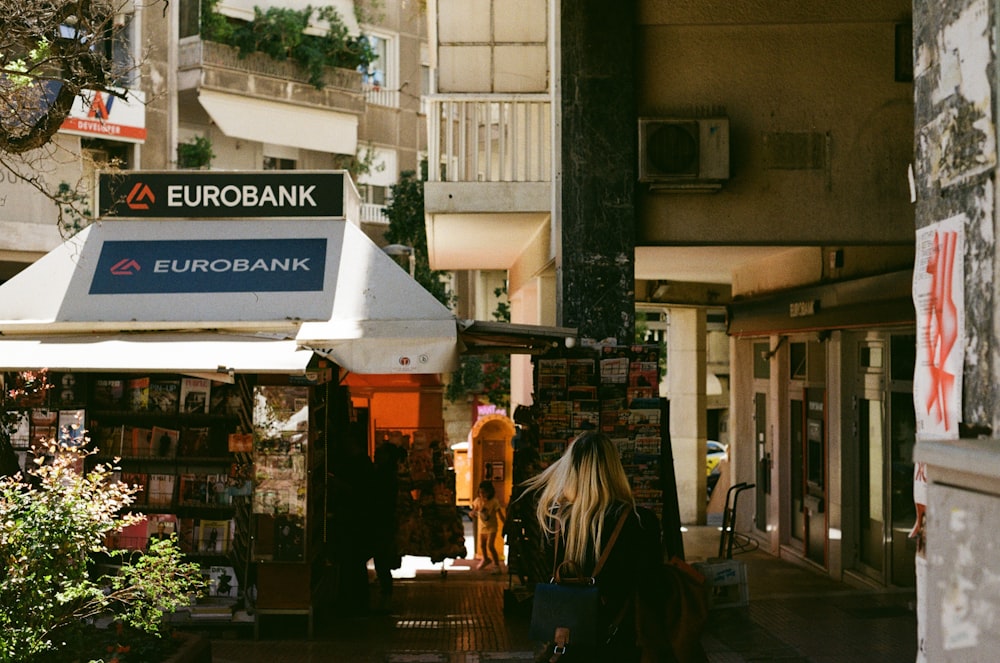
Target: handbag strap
(604, 553)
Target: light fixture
(403, 250)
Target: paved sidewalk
(794, 615)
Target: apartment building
(687, 158)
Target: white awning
(320, 285)
(211, 355)
(279, 123)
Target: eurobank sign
(191, 265)
(182, 194)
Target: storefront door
(884, 467)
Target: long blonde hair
(574, 494)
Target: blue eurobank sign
(210, 265)
(207, 194)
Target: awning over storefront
(213, 355)
(317, 285)
(263, 121)
(875, 301)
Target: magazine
(164, 395)
(138, 394)
(165, 442)
(194, 397)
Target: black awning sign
(221, 194)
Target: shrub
(52, 525)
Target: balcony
(489, 187)
(266, 100)
(373, 213)
(490, 138)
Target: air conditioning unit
(684, 154)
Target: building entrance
(884, 462)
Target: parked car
(714, 453)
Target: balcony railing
(220, 67)
(372, 213)
(489, 138)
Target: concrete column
(955, 177)
(686, 382)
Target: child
(487, 507)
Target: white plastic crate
(727, 583)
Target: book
(160, 526)
(224, 399)
(142, 442)
(138, 394)
(193, 489)
(165, 442)
(194, 395)
(161, 489)
(141, 482)
(222, 581)
(108, 393)
(164, 395)
(194, 442)
(214, 536)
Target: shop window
(902, 357)
(761, 361)
(797, 361)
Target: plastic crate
(726, 581)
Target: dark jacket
(633, 560)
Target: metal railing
(489, 138)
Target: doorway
(883, 474)
(807, 450)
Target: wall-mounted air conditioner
(684, 154)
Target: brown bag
(675, 620)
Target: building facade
(686, 158)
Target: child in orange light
(487, 508)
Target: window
(380, 79)
(278, 163)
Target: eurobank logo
(140, 197)
(205, 266)
(181, 194)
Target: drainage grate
(448, 622)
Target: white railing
(372, 213)
(379, 96)
(489, 138)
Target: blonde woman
(582, 496)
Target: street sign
(205, 194)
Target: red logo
(98, 109)
(140, 197)
(404, 361)
(125, 267)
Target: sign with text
(96, 114)
(179, 194)
(189, 266)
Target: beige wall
(776, 69)
(492, 46)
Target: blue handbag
(567, 608)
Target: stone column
(596, 252)
(686, 382)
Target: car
(714, 453)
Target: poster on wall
(939, 300)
